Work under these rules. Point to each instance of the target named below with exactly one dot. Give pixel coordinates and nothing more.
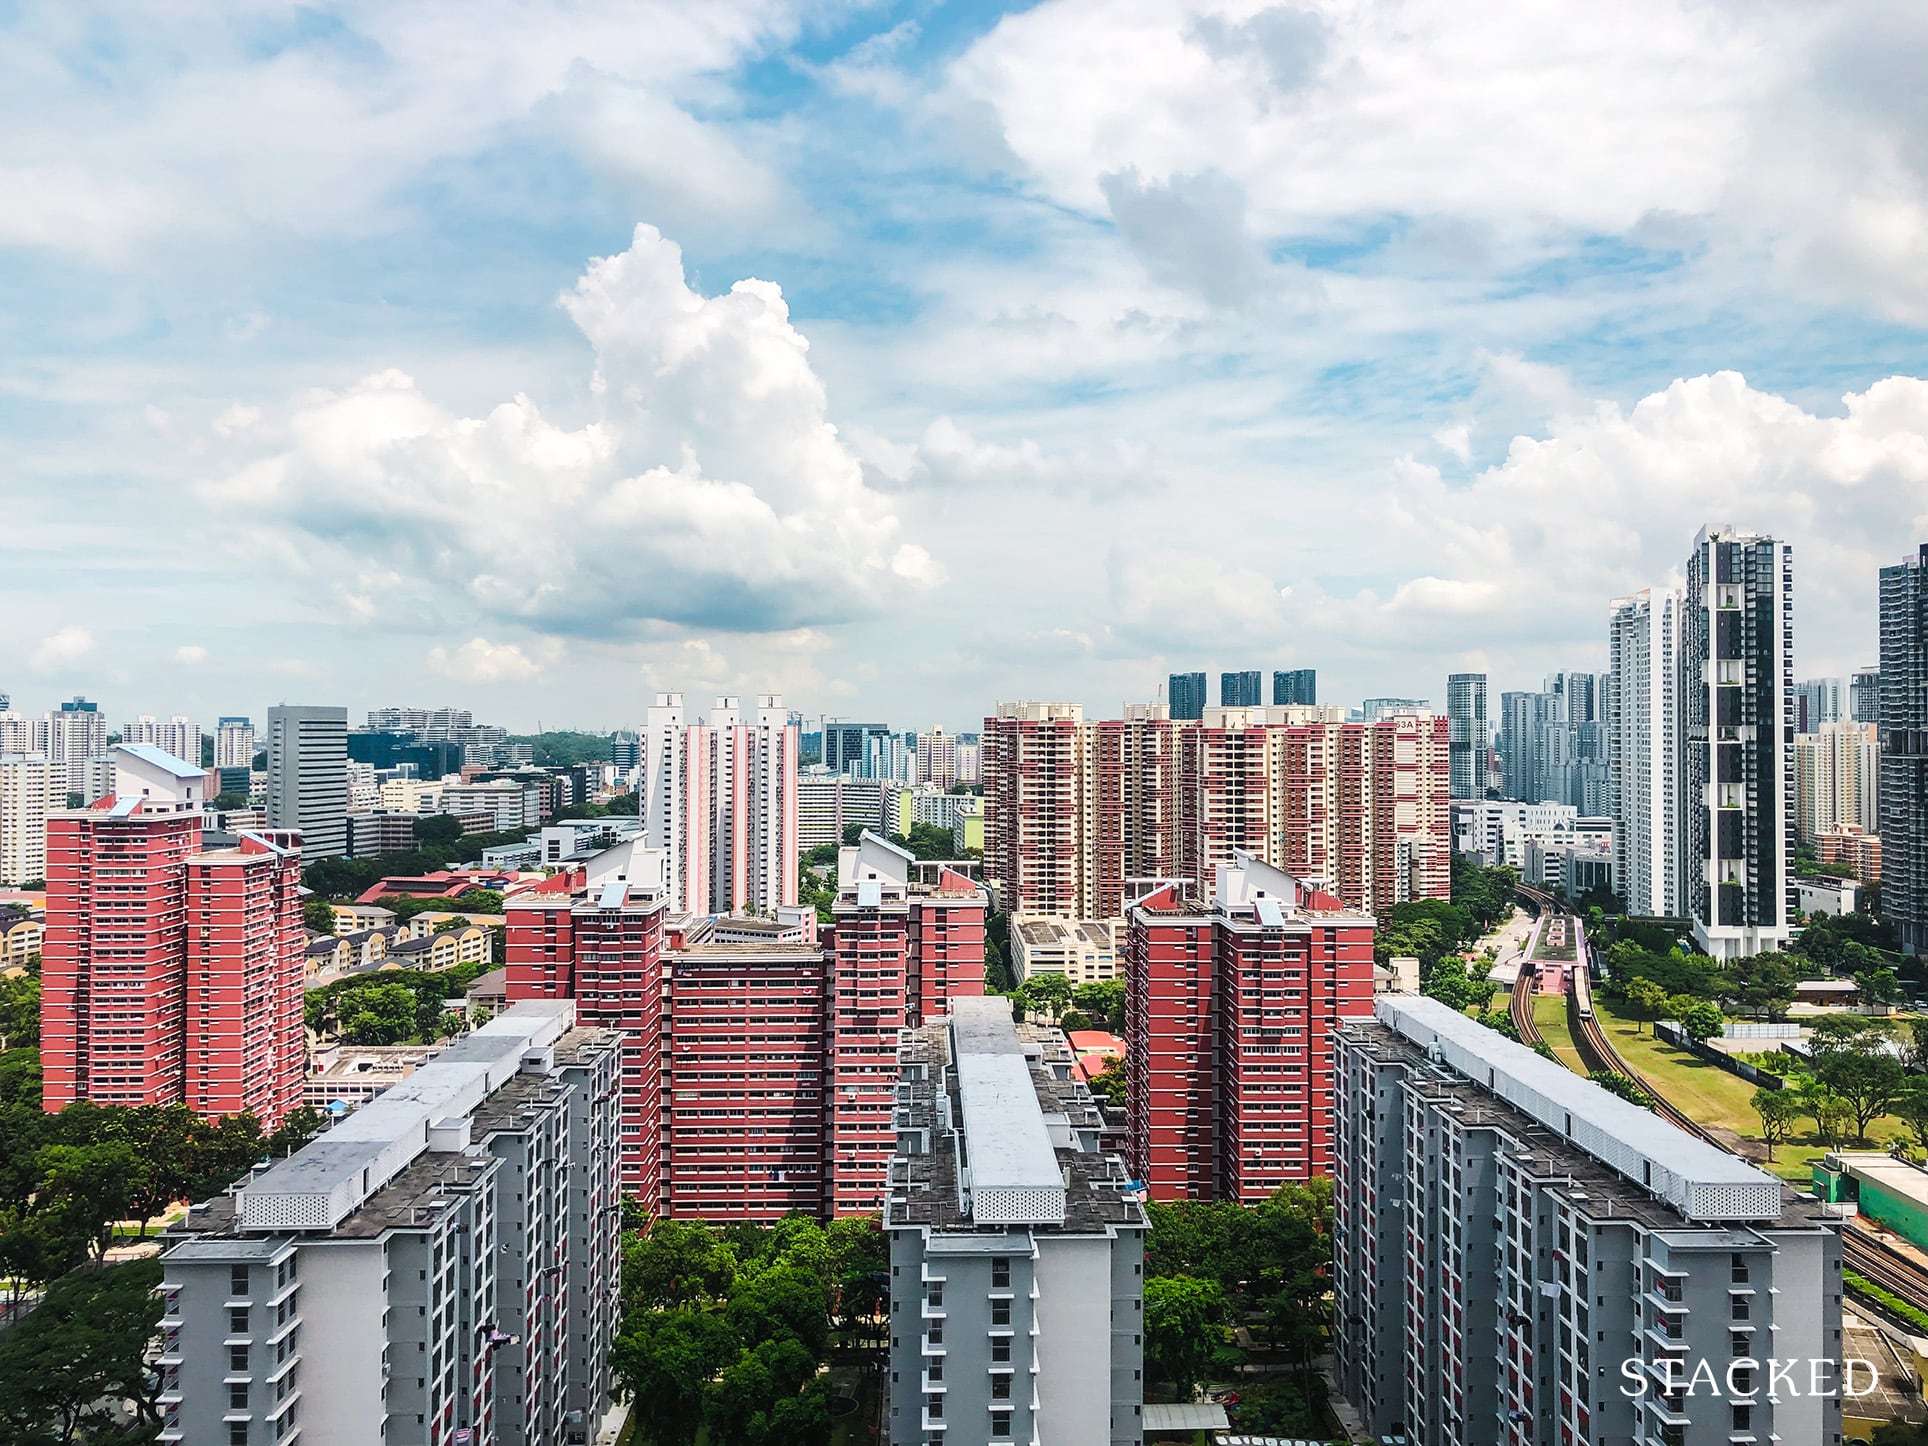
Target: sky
(535, 356)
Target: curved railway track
(1861, 1250)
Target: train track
(1861, 1249)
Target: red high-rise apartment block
(169, 975)
(1078, 813)
(1231, 1011)
(759, 1061)
(245, 1048)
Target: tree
(1763, 984)
(1615, 1083)
(318, 916)
(75, 1365)
(1900, 1433)
(854, 833)
(1103, 1000)
(675, 1263)
(1047, 993)
(667, 1358)
(1911, 1104)
(1109, 1084)
(90, 1187)
(1701, 1018)
(1184, 1325)
(377, 1014)
(19, 1011)
(438, 828)
(1879, 988)
(1647, 997)
(1778, 1109)
(1866, 1083)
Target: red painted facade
(758, 1079)
(1229, 1051)
(170, 976)
(245, 1047)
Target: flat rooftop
(1599, 1190)
(1898, 1177)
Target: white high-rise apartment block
(178, 736)
(234, 743)
(31, 787)
(17, 733)
(442, 1266)
(720, 797)
(1642, 646)
(937, 758)
(308, 777)
(1836, 775)
(1737, 734)
(72, 733)
(1467, 739)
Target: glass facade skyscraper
(1239, 690)
(1188, 695)
(1466, 718)
(1903, 720)
(1296, 686)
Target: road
(1509, 941)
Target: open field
(1550, 1018)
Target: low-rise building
(1849, 845)
(441, 1266)
(1016, 1246)
(1082, 950)
(352, 1075)
(357, 918)
(21, 931)
(1825, 894)
(1521, 1257)
(380, 831)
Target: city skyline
(1374, 397)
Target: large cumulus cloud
(709, 490)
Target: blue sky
(1081, 344)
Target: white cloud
(61, 648)
(711, 490)
(1782, 134)
(192, 654)
(949, 456)
(481, 661)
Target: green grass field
(1550, 1018)
(1711, 1096)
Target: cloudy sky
(534, 356)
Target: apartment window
(1740, 1269)
(238, 1280)
(1743, 1418)
(1000, 1424)
(238, 1396)
(1001, 1388)
(238, 1320)
(936, 1370)
(1000, 1312)
(237, 1433)
(237, 1358)
(1001, 1349)
(1000, 1272)
(934, 1408)
(1740, 1307)
(937, 1295)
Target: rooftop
(1700, 1181)
(335, 1174)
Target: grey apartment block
(308, 777)
(1901, 691)
(1016, 1246)
(1513, 1248)
(438, 1268)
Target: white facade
(234, 743)
(828, 803)
(178, 735)
(1736, 719)
(17, 733)
(410, 795)
(74, 731)
(937, 758)
(30, 789)
(1500, 831)
(1082, 950)
(1836, 772)
(721, 798)
(1642, 640)
(512, 805)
